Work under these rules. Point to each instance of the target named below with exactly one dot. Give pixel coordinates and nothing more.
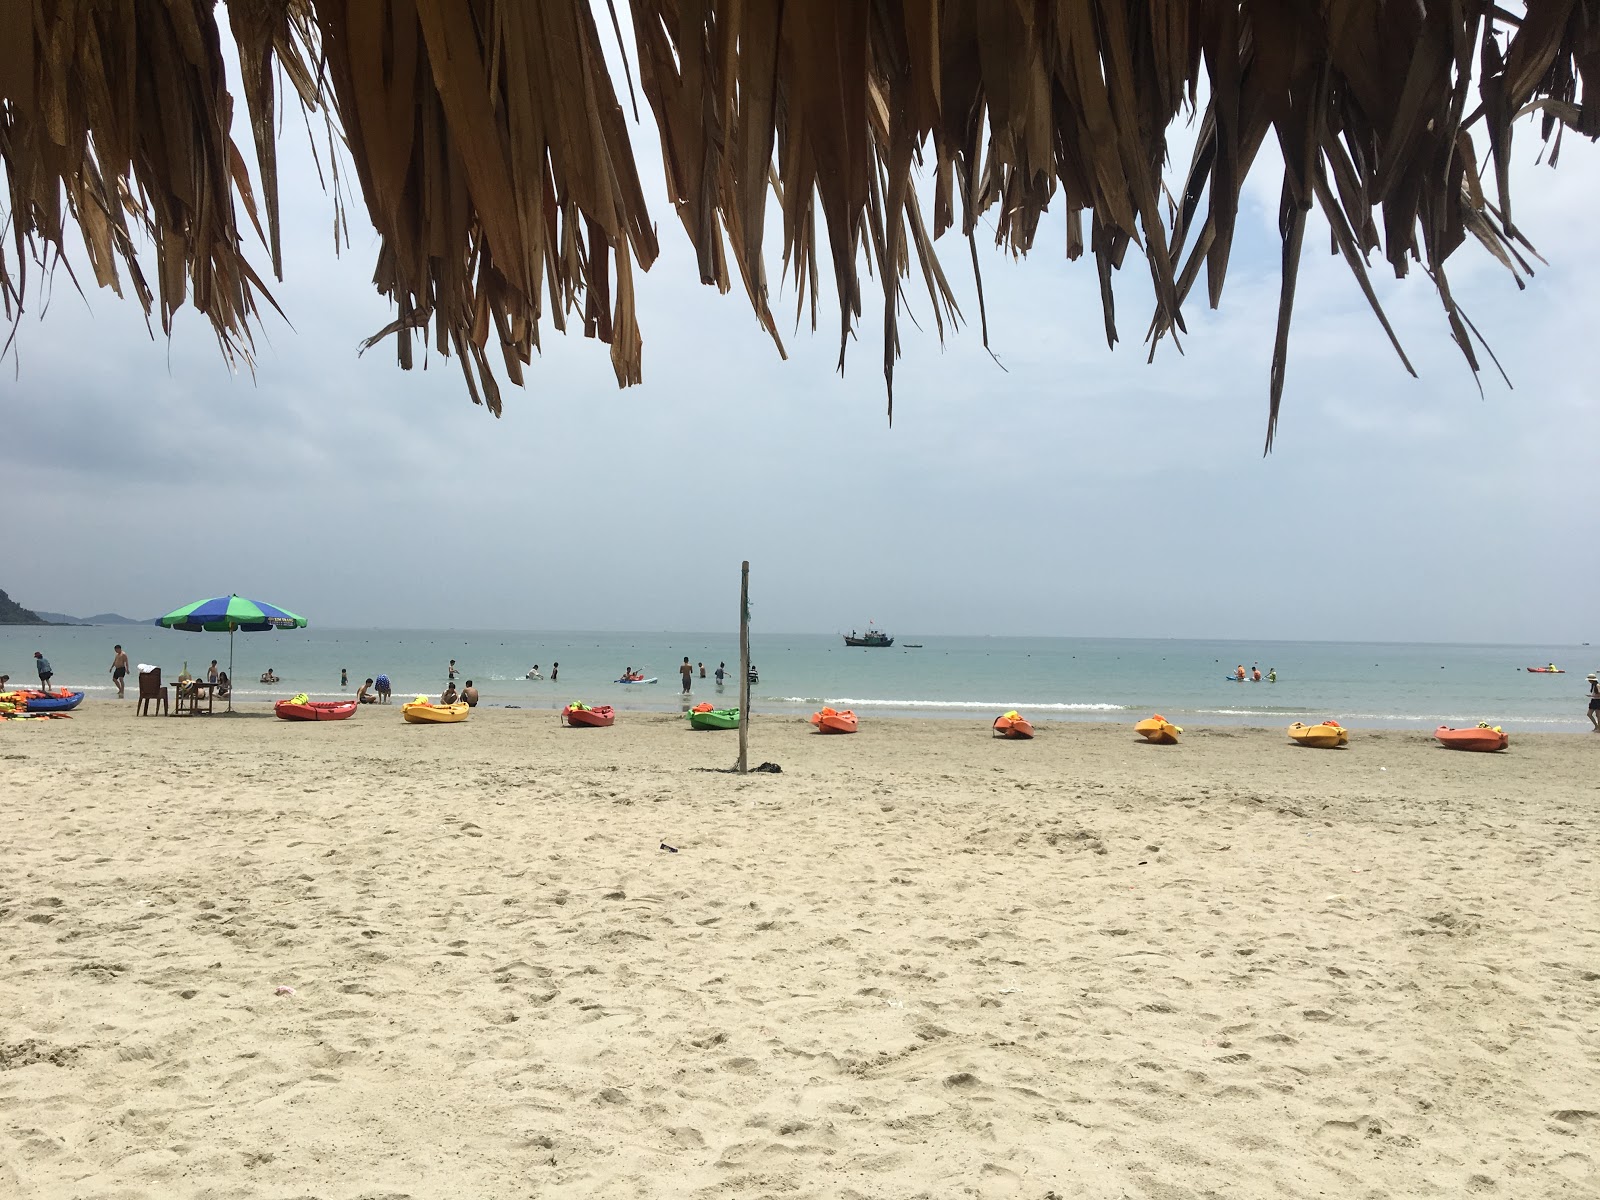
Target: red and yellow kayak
(830, 721)
(1547, 670)
(1013, 725)
(1159, 730)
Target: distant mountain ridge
(56, 618)
(12, 613)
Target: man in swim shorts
(119, 670)
(470, 695)
(687, 672)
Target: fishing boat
(423, 712)
(830, 721)
(872, 637)
(54, 702)
(1329, 735)
(597, 717)
(1484, 738)
(302, 709)
(1159, 730)
(703, 716)
(1013, 725)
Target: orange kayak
(1483, 738)
(829, 721)
(1158, 729)
(1013, 725)
(595, 718)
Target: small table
(188, 697)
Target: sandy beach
(918, 962)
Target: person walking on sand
(1594, 703)
(688, 675)
(119, 670)
(45, 672)
(211, 672)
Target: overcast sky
(1078, 491)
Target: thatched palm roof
(492, 149)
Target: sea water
(1363, 685)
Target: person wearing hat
(1594, 703)
(43, 663)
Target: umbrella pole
(230, 669)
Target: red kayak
(595, 718)
(1547, 670)
(1482, 738)
(314, 710)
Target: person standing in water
(344, 678)
(722, 672)
(1272, 674)
(452, 668)
(119, 670)
(687, 672)
(1594, 703)
(555, 672)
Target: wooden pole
(744, 667)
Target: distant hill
(56, 618)
(12, 613)
(59, 619)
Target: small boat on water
(1484, 738)
(597, 717)
(1329, 735)
(1552, 669)
(424, 712)
(872, 637)
(703, 716)
(54, 702)
(652, 679)
(1012, 725)
(830, 721)
(300, 708)
(1159, 730)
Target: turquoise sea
(1371, 685)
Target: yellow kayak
(1330, 735)
(425, 713)
(1158, 729)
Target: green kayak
(717, 718)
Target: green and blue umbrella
(230, 614)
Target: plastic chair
(151, 693)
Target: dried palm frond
(494, 158)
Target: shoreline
(942, 717)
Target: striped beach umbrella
(231, 614)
